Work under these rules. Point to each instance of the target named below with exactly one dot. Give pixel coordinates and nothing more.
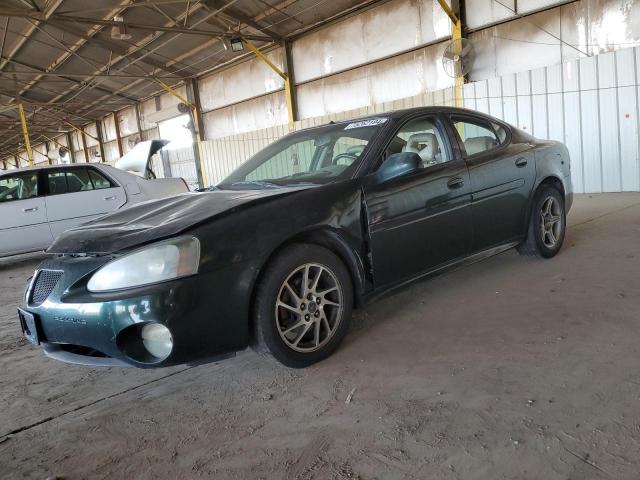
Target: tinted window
(57, 182)
(19, 186)
(475, 136)
(423, 137)
(71, 181)
(99, 181)
(78, 180)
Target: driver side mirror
(398, 164)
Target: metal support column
(25, 134)
(192, 93)
(100, 142)
(72, 155)
(453, 12)
(118, 136)
(193, 96)
(16, 161)
(288, 82)
(290, 91)
(138, 122)
(85, 149)
(46, 152)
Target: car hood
(158, 219)
(138, 158)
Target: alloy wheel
(551, 222)
(309, 307)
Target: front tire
(547, 224)
(302, 306)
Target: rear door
(502, 176)
(79, 194)
(421, 220)
(23, 214)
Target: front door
(422, 220)
(23, 214)
(78, 195)
(502, 176)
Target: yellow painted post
(288, 88)
(196, 126)
(81, 131)
(457, 38)
(53, 141)
(25, 133)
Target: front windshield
(315, 156)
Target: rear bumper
(568, 201)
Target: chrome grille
(44, 284)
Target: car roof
(51, 167)
(399, 114)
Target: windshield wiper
(260, 184)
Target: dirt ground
(509, 368)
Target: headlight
(159, 262)
(157, 340)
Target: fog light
(157, 340)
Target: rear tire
(547, 224)
(302, 306)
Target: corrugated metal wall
(591, 104)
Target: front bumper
(77, 326)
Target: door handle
(113, 197)
(521, 162)
(32, 209)
(455, 182)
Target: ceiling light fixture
(237, 45)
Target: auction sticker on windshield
(366, 123)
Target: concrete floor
(509, 368)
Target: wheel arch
(553, 181)
(549, 180)
(329, 238)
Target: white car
(39, 203)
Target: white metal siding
(590, 104)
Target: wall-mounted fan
(458, 57)
(133, 141)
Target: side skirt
(474, 258)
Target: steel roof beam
(29, 31)
(240, 16)
(118, 48)
(39, 71)
(153, 28)
(143, 43)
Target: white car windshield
(320, 155)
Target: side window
(475, 135)
(19, 186)
(57, 182)
(99, 181)
(423, 137)
(78, 180)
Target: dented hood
(158, 219)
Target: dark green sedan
(278, 254)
